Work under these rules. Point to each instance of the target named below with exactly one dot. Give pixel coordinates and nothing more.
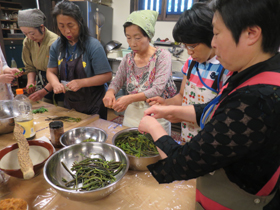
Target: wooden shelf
(9, 9)
(7, 29)
(11, 39)
(4, 20)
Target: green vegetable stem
(136, 144)
(92, 173)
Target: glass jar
(56, 130)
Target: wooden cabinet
(11, 36)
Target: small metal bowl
(54, 171)
(78, 135)
(137, 163)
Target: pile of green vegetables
(89, 140)
(64, 118)
(92, 173)
(136, 144)
(40, 110)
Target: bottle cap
(56, 124)
(19, 91)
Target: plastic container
(56, 130)
(23, 112)
(13, 63)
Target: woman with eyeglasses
(35, 55)
(203, 74)
(146, 71)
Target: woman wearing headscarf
(81, 62)
(35, 54)
(146, 71)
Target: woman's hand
(38, 95)
(30, 87)
(58, 88)
(6, 78)
(156, 101)
(156, 111)
(122, 103)
(109, 99)
(146, 123)
(75, 85)
(14, 71)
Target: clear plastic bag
(4, 189)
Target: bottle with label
(13, 63)
(23, 112)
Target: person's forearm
(137, 97)
(184, 113)
(49, 87)
(96, 80)
(31, 77)
(176, 100)
(52, 78)
(111, 91)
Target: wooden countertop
(138, 189)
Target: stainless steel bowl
(78, 135)
(54, 171)
(137, 163)
(7, 115)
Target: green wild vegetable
(40, 110)
(92, 173)
(17, 73)
(65, 118)
(136, 144)
(89, 140)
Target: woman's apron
(135, 112)
(5, 89)
(215, 190)
(87, 100)
(197, 95)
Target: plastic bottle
(23, 112)
(13, 63)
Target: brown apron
(87, 100)
(216, 191)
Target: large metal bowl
(137, 163)
(54, 171)
(78, 135)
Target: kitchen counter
(137, 190)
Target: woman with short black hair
(236, 155)
(204, 76)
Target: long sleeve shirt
(153, 79)
(243, 136)
(36, 57)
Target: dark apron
(87, 100)
(215, 190)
